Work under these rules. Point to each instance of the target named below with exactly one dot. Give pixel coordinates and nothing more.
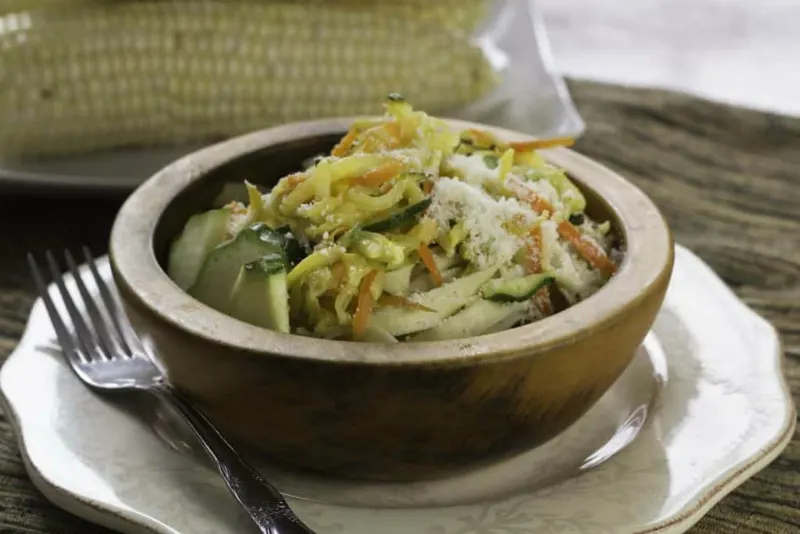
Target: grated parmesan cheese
(573, 272)
(483, 218)
(472, 169)
(302, 209)
(544, 189)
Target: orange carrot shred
(533, 259)
(537, 202)
(541, 204)
(527, 146)
(427, 187)
(364, 307)
(426, 256)
(397, 301)
(293, 180)
(395, 130)
(533, 264)
(596, 257)
(378, 176)
(344, 145)
(542, 300)
(483, 138)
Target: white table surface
(744, 52)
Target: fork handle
(265, 505)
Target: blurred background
(99, 94)
(742, 52)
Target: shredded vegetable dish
(406, 231)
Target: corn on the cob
(99, 74)
(19, 6)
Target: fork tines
(100, 332)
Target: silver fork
(106, 354)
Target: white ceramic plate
(723, 413)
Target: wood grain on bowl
(365, 410)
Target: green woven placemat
(727, 179)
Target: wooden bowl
(387, 412)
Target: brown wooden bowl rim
(646, 262)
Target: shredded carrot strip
(378, 176)
(427, 187)
(395, 130)
(483, 138)
(596, 257)
(533, 265)
(397, 301)
(364, 307)
(542, 299)
(344, 145)
(527, 146)
(534, 259)
(537, 202)
(293, 180)
(540, 204)
(426, 256)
